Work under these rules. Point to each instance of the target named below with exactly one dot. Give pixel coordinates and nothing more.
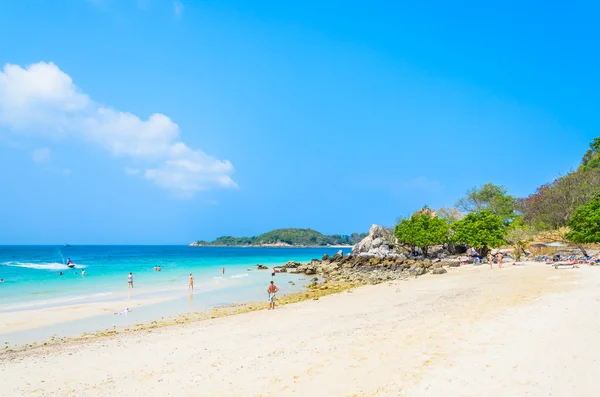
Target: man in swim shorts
(273, 272)
(272, 290)
(130, 280)
(191, 282)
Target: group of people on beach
(490, 258)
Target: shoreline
(474, 330)
(313, 293)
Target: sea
(37, 277)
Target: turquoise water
(32, 273)
(33, 280)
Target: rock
(439, 270)
(338, 255)
(325, 258)
(377, 242)
(261, 267)
(291, 265)
(380, 242)
(280, 269)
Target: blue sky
(324, 114)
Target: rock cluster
(370, 270)
(376, 259)
(379, 243)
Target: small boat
(71, 265)
(67, 245)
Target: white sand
(529, 331)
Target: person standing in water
(272, 290)
(223, 271)
(272, 272)
(130, 280)
(191, 283)
(83, 273)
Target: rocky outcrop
(379, 243)
(261, 267)
(360, 269)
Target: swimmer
(83, 273)
(158, 268)
(130, 280)
(191, 282)
(1, 280)
(60, 274)
(272, 290)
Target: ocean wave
(43, 266)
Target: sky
(164, 122)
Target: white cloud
(41, 97)
(41, 155)
(178, 7)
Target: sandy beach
(521, 330)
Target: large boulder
(379, 243)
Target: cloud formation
(41, 95)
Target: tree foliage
(489, 197)
(591, 158)
(291, 236)
(451, 215)
(585, 223)
(552, 205)
(519, 234)
(481, 230)
(422, 230)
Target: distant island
(286, 238)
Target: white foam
(43, 266)
(240, 275)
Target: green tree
(422, 230)
(591, 158)
(489, 197)
(585, 224)
(481, 230)
(519, 234)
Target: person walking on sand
(490, 259)
(130, 280)
(272, 290)
(499, 257)
(191, 283)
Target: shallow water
(32, 280)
